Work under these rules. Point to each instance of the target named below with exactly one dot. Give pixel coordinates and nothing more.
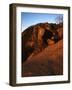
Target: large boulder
(37, 37)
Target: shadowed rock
(38, 37)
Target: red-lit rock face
(35, 40)
(47, 62)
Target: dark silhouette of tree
(59, 19)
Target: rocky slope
(42, 50)
(47, 62)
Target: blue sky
(28, 19)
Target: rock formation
(42, 43)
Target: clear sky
(28, 19)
